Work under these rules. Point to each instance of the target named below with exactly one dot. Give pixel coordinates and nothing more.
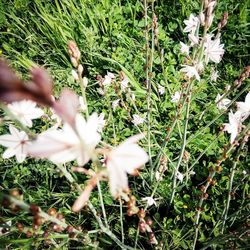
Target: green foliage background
(110, 35)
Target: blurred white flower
(184, 48)
(115, 104)
(137, 120)
(179, 176)
(244, 107)
(101, 91)
(213, 50)
(214, 75)
(234, 125)
(191, 24)
(176, 97)
(64, 145)
(150, 201)
(17, 144)
(190, 71)
(25, 111)
(161, 89)
(222, 104)
(123, 160)
(83, 105)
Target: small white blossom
(214, 75)
(184, 48)
(108, 79)
(244, 107)
(158, 176)
(123, 160)
(137, 120)
(222, 104)
(150, 201)
(161, 89)
(191, 24)
(234, 125)
(17, 144)
(101, 122)
(25, 111)
(190, 71)
(101, 91)
(124, 83)
(176, 97)
(115, 104)
(213, 50)
(179, 176)
(244, 172)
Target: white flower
(158, 176)
(193, 39)
(176, 97)
(184, 48)
(234, 125)
(115, 104)
(108, 79)
(222, 104)
(190, 71)
(179, 176)
(244, 172)
(124, 83)
(64, 145)
(214, 75)
(191, 24)
(137, 120)
(16, 142)
(101, 91)
(83, 105)
(161, 89)
(25, 111)
(126, 158)
(101, 122)
(150, 201)
(213, 50)
(244, 107)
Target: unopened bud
(80, 69)
(75, 75)
(85, 81)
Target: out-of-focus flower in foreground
(123, 160)
(25, 111)
(13, 89)
(64, 145)
(17, 143)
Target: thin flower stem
(184, 142)
(238, 154)
(211, 175)
(102, 204)
(148, 81)
(94, 212)
(121, 220)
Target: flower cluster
(208, 46)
